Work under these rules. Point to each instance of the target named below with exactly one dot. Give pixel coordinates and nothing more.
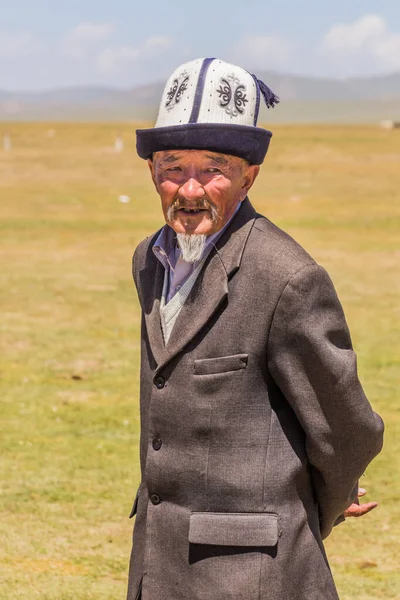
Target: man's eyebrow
(170, 158)
(221, 160)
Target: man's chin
(192, 229)
(203, 227)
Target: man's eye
(173, 169)
(213, 170)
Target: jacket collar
(208, 293)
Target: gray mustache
(202, 203)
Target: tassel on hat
(270, 98)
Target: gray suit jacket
(254, 425)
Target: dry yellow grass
(70, 326)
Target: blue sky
(55, 43)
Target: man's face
(200, 190)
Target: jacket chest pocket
(220, 364)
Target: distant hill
(291, 87)
(303, 99)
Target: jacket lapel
(151, 286)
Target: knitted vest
(169, 311)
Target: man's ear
(250, 175)
(152, 170)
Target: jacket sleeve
(138, 260)
(312, 361)
(135, 267)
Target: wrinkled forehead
(197, 157)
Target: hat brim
(250, 143)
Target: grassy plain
(69, 424)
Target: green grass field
(70, 340)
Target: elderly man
(254, 426)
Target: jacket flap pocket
(220, 364)
(234, 529)
(135, 505)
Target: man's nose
(192, 189)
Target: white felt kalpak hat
(209, 104)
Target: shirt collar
(164, 247)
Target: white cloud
(90, 32)
(17, 44)
(366, 45)
(85, 38)
(156, 43)
(263, 52)
(115, 57)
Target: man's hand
(358, 510)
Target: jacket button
(159, 382)
(155, 499)
(157, 443)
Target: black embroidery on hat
(240, 98)
(225, 93)
(172, 92)
(232, 95)
(178, 86)
(182, 88)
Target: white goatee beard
(191, 246)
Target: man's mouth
(203, 209)
(191, 211)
